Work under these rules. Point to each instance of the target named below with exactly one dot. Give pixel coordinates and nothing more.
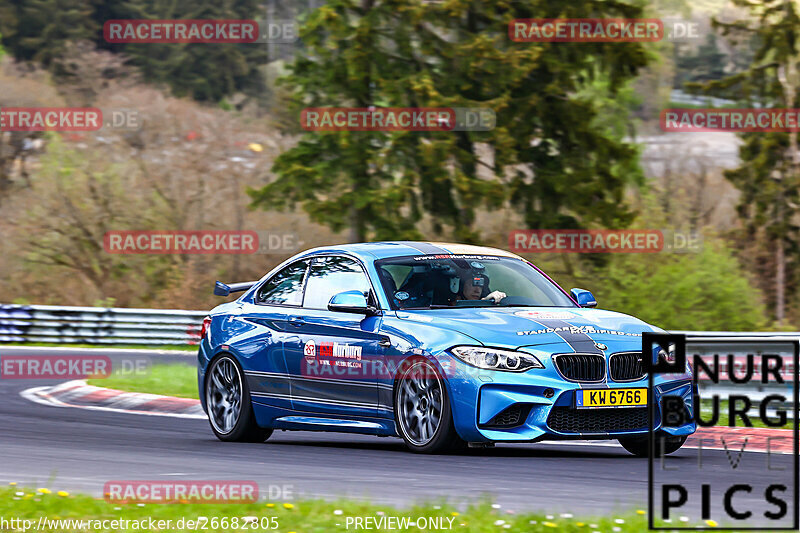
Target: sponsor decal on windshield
(455, 256)
(578, 329)
(552, 315)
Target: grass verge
(297, 516)
(169, 380)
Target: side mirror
(351, 302)
(583, 297)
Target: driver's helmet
(474, 275)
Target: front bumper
(493, 406)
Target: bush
(704, 291)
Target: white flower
(499, 522)
(337, 512)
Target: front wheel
(230, 412)
(640, 447)
(422, 410)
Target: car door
(274, 303)
(333, 357)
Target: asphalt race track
(79, 450)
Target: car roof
(382, 250)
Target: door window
(330, 276)
(285, 287)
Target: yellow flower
(270, 505)
(711, 523)
(13, 483)
(62, 493)
(549, 524)
(255, 147)
(454, 513)
(44, 490)
(579, 524)
(288, 506)
(27, 497)
(640, 511)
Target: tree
(549, 155)
(42, 30)
(36, 30)
(348, 179)
(704, 64)
(205, 72)
(769, 176)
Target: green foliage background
(703, 291)
(561, 156)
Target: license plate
(610, 398)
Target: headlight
(667, 357)
(496, 359)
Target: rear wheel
(230, 412)
(422, 410)
(640, 447)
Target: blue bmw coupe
(443, 345)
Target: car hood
(531, 326)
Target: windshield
(431, 281)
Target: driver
(474, 284)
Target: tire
(225, 391)
(423, 426)
(640, 447)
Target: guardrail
(113, 325)
(98, 325)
